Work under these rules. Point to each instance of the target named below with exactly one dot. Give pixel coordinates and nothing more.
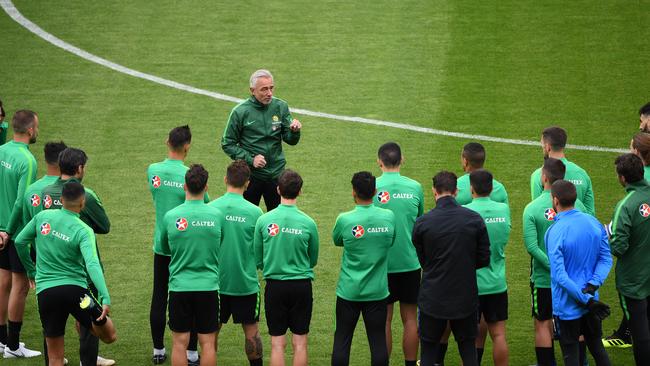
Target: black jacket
(451, 242)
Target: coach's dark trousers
(258, 188)
(465, 331)
(639, 313)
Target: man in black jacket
(451, 242)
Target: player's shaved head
(23, 120)
(72, 192)
(196, 178)
(641, 143)
(555, 137)
(474, 153)
(52, 150)
(390, 154)
(553, 169)
(71, 159)
(179, 137)
(481, 181)
(289, 184)
(630, 167)
(363, 184)
(445, 182)
(237, 174)
(565, 192)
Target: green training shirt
(4, 126)
(630, 241)
(492, 279)
(238, 273)
(538, 217)
(464, 195)
(646, 172)
(286, 244)
(166, 183)
(66, 250)
(366, 235)
(191, 233)
(17, 172)
(575, 175)
(405, 198)
(31, 204)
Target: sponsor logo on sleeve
(273, 229)
(358, 231)
(35, 200)
(47, 201)
(383, 196)
(644, 210)
(181, 224)
(155, 181)
(549, 214)
(45, 228)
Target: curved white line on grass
(11, 10)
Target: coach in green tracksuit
(630, 243)
(240, 289)
(405, 198)
(254, 133)
(366, 234)
(553, 142)
(473, 158)
(286, 250)
(191, 233)
(491, 280)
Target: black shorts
(404, 287)
(244, 309)
(570, 330)
(194, 310)
(56, 303)
(9, 259)
(494, 307)
(288, 305)
(542, 302)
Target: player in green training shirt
(239, 287)
(166, 181)
(640, 146)
(4, 126)
(67, 253)
(537, 218)
(286, 250)
(366, 234)
(491, 280)
(405, 198)
(553, 142)
(17, 172)
(191, 233)
(473, 158)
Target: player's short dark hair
(475, 154)
(565, 192)
(196, 178)
(23, 120)
(2, 111)
(290, 184)
(179, 136)
(238, 173)
(641, 142)
(363, 183)
(645, 110)
(445, 182)
(72, 191)
(481, 181)
(390, 154)
(553, 169)
(70, 159)
(52, 150)
(630, 167)
(555, 136)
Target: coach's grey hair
(261, 73)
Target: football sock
(479, 354)
(13, 334)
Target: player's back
(15, 161)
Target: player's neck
(235, 190)
(66, 177)
(361, 202)
(468, 169)
(53, 170)
(194, 197)
(175, 155)
(564, 209)
(556, 154)
(21, 138)
(287, 201)
(390, 170)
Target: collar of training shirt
(257, 103)
(634, 186)
(563, 214)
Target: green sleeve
(164, 238)
(337, 235)
(258, 245)
(94, 214)
(23, 243)
(3, 132)
(536, 187)
(421, 204)
(530, 240)
(314, 243)
(88, 249)
(505, 196)
(27, 177)
(589, 200)
(621, 227)
(232, 137)
(288, 136)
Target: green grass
(504, 69)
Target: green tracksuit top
(286, 244)
(405, 198)
(254, 128)
(166, 182)
(66, 250)
(646, 172)
(4, 126)
(17, 172)
(238, 272)
(575, 175)
(366, 234)
(538, 217)
(191, 232)
(630, 241)
(464, 195)
(31, 204)
(93, 213)
(492, 279)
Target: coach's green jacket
(254, 128)
(630, 241)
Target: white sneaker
(101, 361)
(2, 346)
(21, 352)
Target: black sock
(410, 363)
(3, 333)
(545, 356)
(13, 334)
(257, 362)
(583, 352)
(441, 354)
(479, 354)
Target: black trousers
(158, 311)
(570, 330)
(639, 323)
(374, 318)
(431, 329)
(258, 188)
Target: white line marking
(11, 10)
